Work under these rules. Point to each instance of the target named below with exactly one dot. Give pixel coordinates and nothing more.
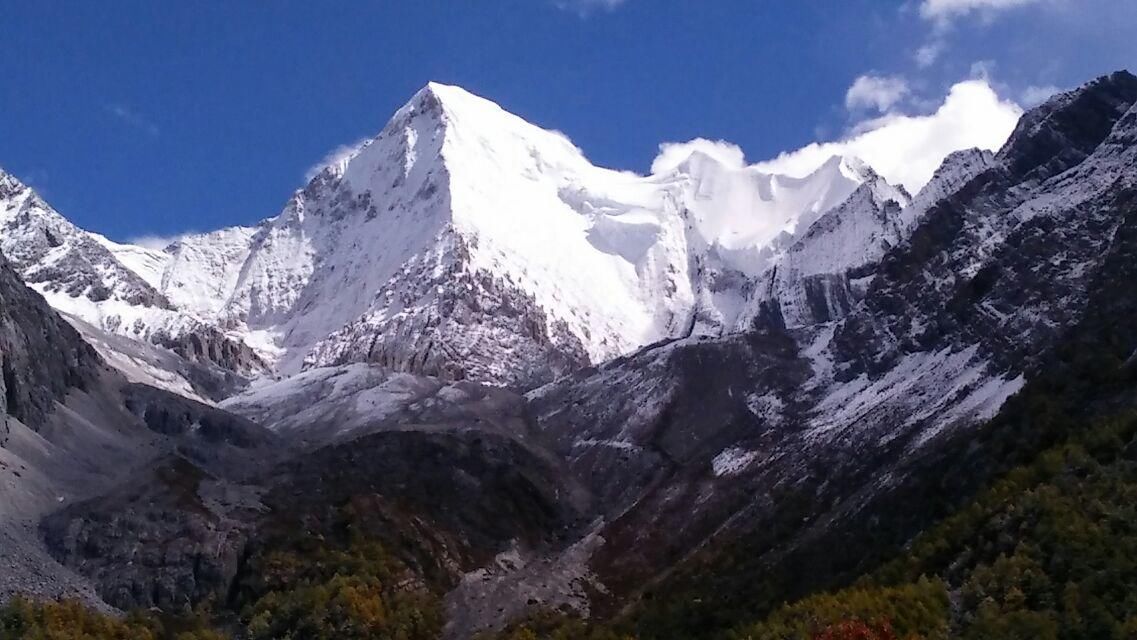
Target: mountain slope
(66, 433)
(696, 443)
(1043, 547)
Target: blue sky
(153, 117)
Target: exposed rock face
(83, 438)
(172, 533)
(1066, 129)
(458, 323)
(94, 429)
(43, 363)
(447, 480)
(1007, 260)
(171, 537)
(821, 276)
(146, 363)
(209, 346)
(190, 422)
(41, 356)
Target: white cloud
(155, 241)
(944, 11)
(1035, 95)
(907, 149)
(875, 92)
(931, 51)
(983, 69)
(336, 158)
(671, 154)
(132, 118)
(586, 7)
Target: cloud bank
(907, 149)
(671, 154)
(1036, 95)
(876, 92)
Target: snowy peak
(445, 125)
(9, 185)
(60, 260)
(747, 217)
(458, 206)
(461, 232)
(822, 274)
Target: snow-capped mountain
(115, 288)
(465, 242)
(498, 237)
(63, 261)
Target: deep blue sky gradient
(139, 117)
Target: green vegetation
(298, 587)
(916, 610)
(316, 592)
(1049, 552)
(23, 619)
(550, 625)
(336, 584)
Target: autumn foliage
(857, 630)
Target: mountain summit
(464, 242)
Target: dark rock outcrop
(208, 346)
(446, 483)
(41, 357)
(170, 538)
(1067, 128)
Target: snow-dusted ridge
(465, 242)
